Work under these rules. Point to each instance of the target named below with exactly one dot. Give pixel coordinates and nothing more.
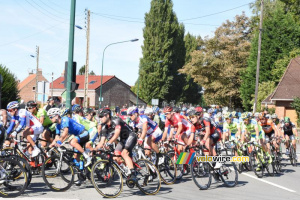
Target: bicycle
(105, 174)
(165, 165)
(259, 161)
(292, 155)
(202, 172)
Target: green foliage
(82, 71)
(281, 34)
(293, 6)
(92, 73)
(162, 41)
(296, 106)
(10, 91)
(217, 64)
(271, 111)
(264, 90)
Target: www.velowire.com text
(221, 158)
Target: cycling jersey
(26, 119)
(74, 127)
(288, 130)
(187, 126)
(43, 113)
(250, 127)
(206, 122)
(108, 131)
(268, 127)
(86, 123)
(141, 120)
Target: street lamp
(137, 93)
(133, 40)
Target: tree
(281, 34)
(82, 71)
(10, 91)
(217, 64)
(190, 90)
(163, 40)
(296, 106)
(264, 90)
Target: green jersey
(43, 113)
(233, 127)
(250, 127)
(86, 123)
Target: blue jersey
(162, 117)
(151, 125)
(74, 127)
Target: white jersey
(31, 120)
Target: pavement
(283, 186)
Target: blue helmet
(132, 110)
(76, 107)
(12, 105)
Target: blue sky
(27, 23)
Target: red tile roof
(94, 82)
(26, 81)
(288, 87)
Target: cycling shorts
(216, 136)
(83, 137)
(127, 144)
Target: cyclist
(290, 131)
(231, 128)
(114, 128)
(66, 126)
(33, 127)
(42, 116)
(251, 129)
(150, 130)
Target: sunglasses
(101, 116)
(10, 110)
(51, 117)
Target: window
(33, 88)
(92, 82)
(62, 82)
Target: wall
(26, 93)
(284, 109)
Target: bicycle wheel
(147, 176)
(277, 163)
(201, 174)
(256, 164)
(179, 168)
(229, 174)
(25, 165)
(55, 175)
(293, 155)
(9, 185)
(107, 179)
(167, 169)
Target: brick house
(28, 86)
(114, 91)
(287, 89)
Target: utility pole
(86, 74)
(36, 75)
(70, 55)
(258, 54)
(52, 86)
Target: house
(287, 89)
(114, 91)
(28, 86)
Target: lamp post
(133, 40)
(137, 93)
(37, 69)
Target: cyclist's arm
(207, 133)
(179, 129)
(165, 133)
(116, 134)
(64, 134)
(21, 125)
(11, 126)
(295, 131)
(256, 131)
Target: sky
(26, 24)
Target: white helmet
(53, 111)
(132, 110)
(148, 111)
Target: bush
(296, 106)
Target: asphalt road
(284, 186)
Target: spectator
(117, 109)
(50, 104)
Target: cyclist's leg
(155, 137)
(147, 145)
(292, 138)
(46, 135)
(128, 146)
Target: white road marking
(268, 182)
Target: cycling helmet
(132, 110)
(219, 114)
(176, 109)
(250, 114)
(287, 120)
(184, 109)
(268, 116)
(256, 114)
(227, 115)
(142, 111)
(155, 109)
(199, 110)
(64, 112)
(261, 115)
(76, 108)
(274, 116)
(234, 114)
(192, 113)
(148, 111)
(104, 111)
(12, 105)
(53, 111)
(31, 104)
(168, 109)
(209, 111)
(245, 115)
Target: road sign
(101, 99)
(155, 102)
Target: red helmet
(199, 109)
(168, 109)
